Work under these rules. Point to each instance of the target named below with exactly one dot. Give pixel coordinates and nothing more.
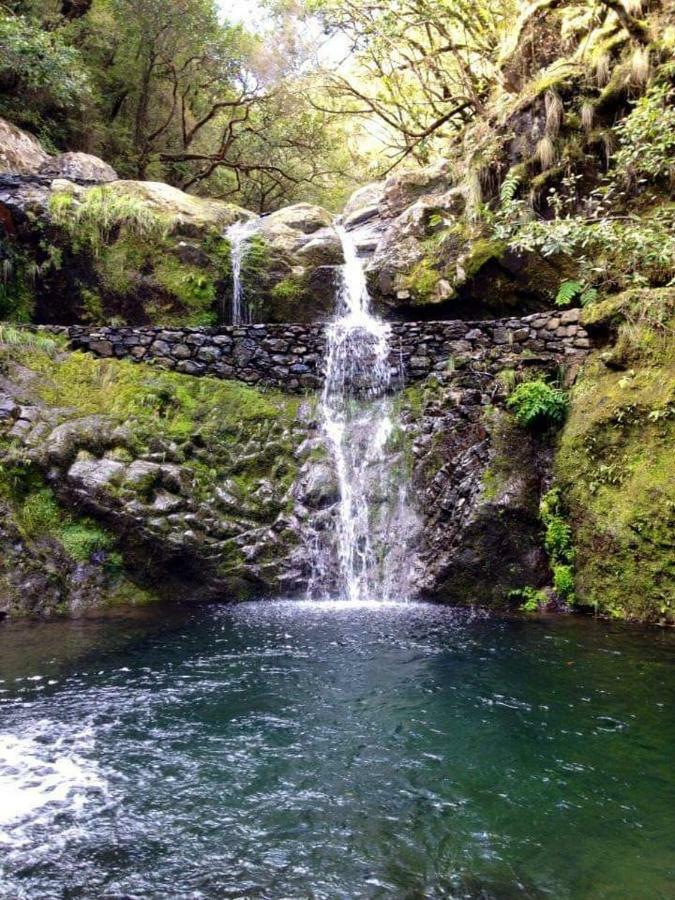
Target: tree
(424, 67)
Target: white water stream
(374, 523)
(238, 235)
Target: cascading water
(373, 523)
(239, 235)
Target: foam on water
(44, 774)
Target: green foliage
(16, 283)
(102, 216)
(568, 292)
(563, 582)
(558, 543)
(193, 287)
(614, 468)
(571, 290)
(17, 337)
(537, 404)
(40, 513)
(531, 599)
(43, 81)
(41, 516)
(423, 281)
(647, 137)
(84, 538)
(510, 186)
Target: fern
(568, 292)
(571, 290)
(588, 295)
(509, 187)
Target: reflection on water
(335, 750)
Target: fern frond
(567, 292)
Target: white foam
(44, 774)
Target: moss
(493, 483)
(615, 468)
(92, 306)
(560, 73)
(40, 516)
(615, 91)
(193, 288)
(423, 282)
(288, 290)
(17, 290)
(482, 252)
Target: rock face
(79, 167)
(289, 272)
(207, 488)
(144, 252)
(478, 479)
(20, 152)
(195, 507)
(426, 258)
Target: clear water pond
(335, 751)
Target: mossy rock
(615, 468)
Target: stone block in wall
(100, 348)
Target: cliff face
(121, 480)
(183, 485)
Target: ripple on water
(338, 750)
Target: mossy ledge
(173, 484)
(614, 464)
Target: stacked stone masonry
(292, 357)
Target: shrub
(563, 582)
(647, 137)
(532, 599)
(537, 404)
(82, 539)
(40, 78)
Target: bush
(563, 582)
(41, 78)
(82, 539)
(537, 404)
(532, 599)
(647, 137)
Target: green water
(335, 751)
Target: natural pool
(338, 751)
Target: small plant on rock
(532, 599)
(537, 404)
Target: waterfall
(238, 235)
(373, 521)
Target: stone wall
(292, 357)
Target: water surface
(335, 751)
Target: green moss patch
(615, 468)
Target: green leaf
(567, 292)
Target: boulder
(20, 152)
(303, 217)
(189, 215)
(363, 205)
(78, 167)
